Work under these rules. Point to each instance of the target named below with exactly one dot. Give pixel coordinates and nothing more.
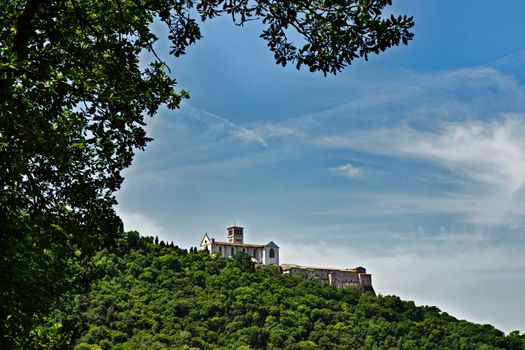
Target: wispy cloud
(217, 123)
(257, 133)
(489, 156)
(278, 130)
(347, 170)
(250, 136)
(488, 153)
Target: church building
(265, 254)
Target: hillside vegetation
(154, 296)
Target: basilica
(268, 254)
(265, 254)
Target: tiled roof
(291, 266)
(242, 245)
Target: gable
(205, 240)
(272, 244)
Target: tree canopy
(74, 98)
(151, 297)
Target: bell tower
(236, 234)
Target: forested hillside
(155, 296)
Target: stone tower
(235, 234)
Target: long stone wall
(334, 277)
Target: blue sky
(411, 164)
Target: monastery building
(268, 254)
(265, 254)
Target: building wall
(266, 255)
(267, 259)
(336, 278)
(227, 251)
(345, 278)
(263, 255)
(365, 279)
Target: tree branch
(24, 26)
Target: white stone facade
(268, 254)
(265, 254)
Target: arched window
(272, 253)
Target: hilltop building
(335, 277)
(265, 254)
(268, 254)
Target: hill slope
(149, 296)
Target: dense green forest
(158, 296)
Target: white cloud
(258, 133)
(491, 153)
(347, 170)
(136, 221)
(445, 273)
(489, 157)
(249, 135)
(216, 123)
(279, 130)
(425, 99)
